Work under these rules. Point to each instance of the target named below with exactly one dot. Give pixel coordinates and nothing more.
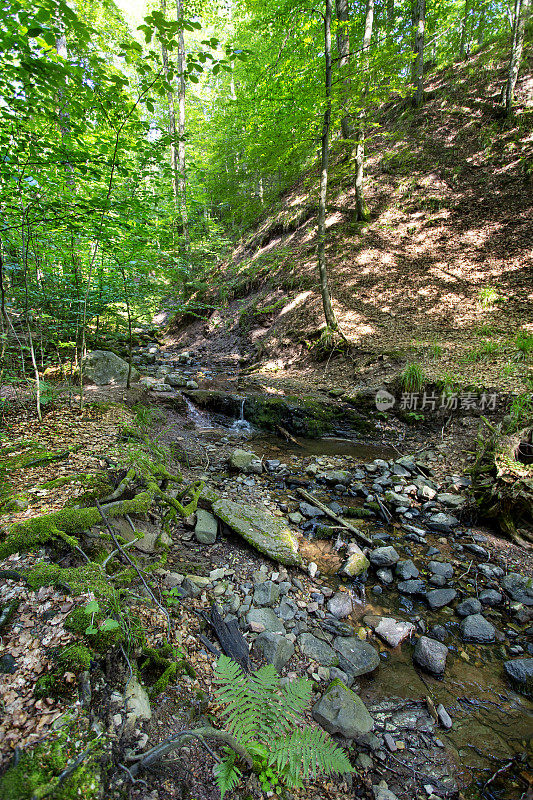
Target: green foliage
(524, 345)
(36, 773)
(266, 718)
(489, 296)
(412, 379)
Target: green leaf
(92, 608)
(109, 625)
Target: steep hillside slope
(441, 275)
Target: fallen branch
(287, 435)
(144, 760)
(329, 513)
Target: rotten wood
(287, 435)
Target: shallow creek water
(490, 720)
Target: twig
(69, 769)
(499, 772)
(134, 565)
(133, 780)
(129, 665)
(329, 513)
(466, 572)
(114, 553)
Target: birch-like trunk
(343, 46)
(521, 14)
(361, 209)
(464, 44)
(181, 127)
(171, 122)
(418, 9)
(329, 314)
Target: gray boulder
(405, 570)
(475, 628)
(519, 588)
(520, 672)
(437, 598)
(384, 557)
(276, 649)
(266, 593)
(206, 527)
(262, 530)
(317, 650)
(102, 367)
(340, 605)
(356, 657)
(265, 619)
(469, 606)
(430, 655)
(356, 563)
(340, 710)
(245, 461)
(393, 632)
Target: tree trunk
(390, 20)
(521, 13)
(329, 314)
(464, 45)
(171, 122)
(181, 127)
(343, 46)
(361, 209)
(418, 9)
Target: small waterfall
(196, 416)
(242, 424)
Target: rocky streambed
(370, 575)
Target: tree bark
(171, 123)
(521, 13)
(464, 45)
(181, 127)
(343, 46)
(329, 314)
(390, 20)
(361, 209)
(418, 10)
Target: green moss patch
(36, 775)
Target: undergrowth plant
(524, 345)
(412, 378)
(266, 720)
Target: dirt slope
(441, 275)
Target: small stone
(520, 672)
(206, 527)
(475, 628)
(469, 606)
(389, 741)
(276, 649)
(414, 586)
(342, 711)
(246, 462)
(394, 632)
(266, 618)
(438, 598)
(441, 568)
(430, 655)
(490, 597)
(356, 657)
(384, 557)
(340, 605)
(312, 569)
(117, 720)
(519, 588)
(296, 518)
(8, 665)
(266, 593)
(317, 650)
(405, 570)
(384, 574)
(444, 718)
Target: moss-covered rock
(36, 773)
(266, 533)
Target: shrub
(412, 378)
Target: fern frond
(226, 773)
(306, 753)
(298, 695)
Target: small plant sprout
(412, 378)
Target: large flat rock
(262, 530)
(102, 367)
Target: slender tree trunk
(390, 20)
(521, 13)
(28, 328)
(418, 10)
(171, 123)
(343, 46)
(361, 209)
(329, 314)
(181, 127)
(464, 45)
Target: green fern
(226, 773)
(263, 717)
